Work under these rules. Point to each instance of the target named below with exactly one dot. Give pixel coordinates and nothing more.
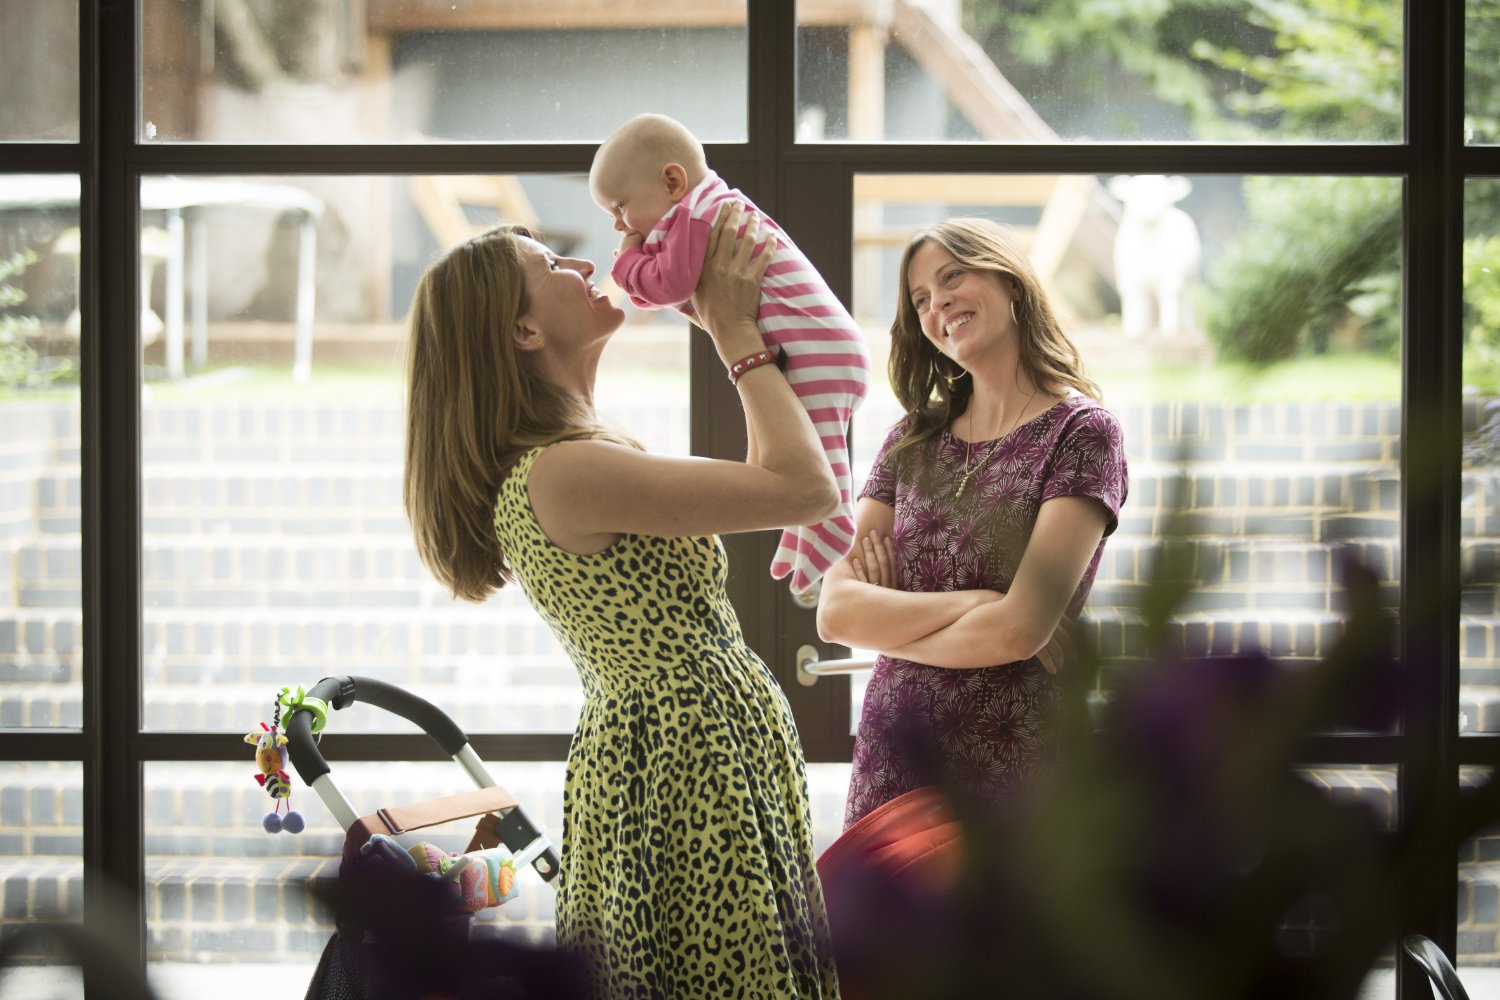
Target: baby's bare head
(639, 149)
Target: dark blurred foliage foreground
(1173, 852)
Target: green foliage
(20, 367)
(1318, 251)
(1083, 47)
(1482, 71)
(1309, 70)
(1482, 313)
(17, 358)
(1335, 72)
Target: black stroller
(400, 933)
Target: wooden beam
(867, 44)
(965, 70)
(402, 16)
(955, 189)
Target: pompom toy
(271, 764)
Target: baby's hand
(632, 240)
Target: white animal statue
(1157, 253)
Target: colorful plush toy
(480, 879)
(271, 763)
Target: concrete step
(307, 571)
(260, 498)
(206, 432)
(236, 909)
(196, 571)
(224, 427)
(1293, 432)
(550, 706)
(217, 886)
(1479, 708)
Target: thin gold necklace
(970, 465)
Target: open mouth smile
(956, 322)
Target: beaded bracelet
(748, 362)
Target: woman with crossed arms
(980, 526)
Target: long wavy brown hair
(920, 374)
(473, 406)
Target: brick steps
(477, 703)
(363, 498)
(234, 891)
(183, 571)
(235, 909)
(486, 686)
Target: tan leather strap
(393, 820)
(486, 833)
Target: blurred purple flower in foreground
(1172, 851)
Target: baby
(651, 177)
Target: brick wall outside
(275, 551)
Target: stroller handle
(341, 692)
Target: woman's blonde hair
(931, 388)
(472, 407)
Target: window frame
(790, 180)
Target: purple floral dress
(988, 724)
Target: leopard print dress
(687, 858)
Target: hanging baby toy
(271, 764)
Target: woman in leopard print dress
(687, 858)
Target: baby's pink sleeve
(664, 274)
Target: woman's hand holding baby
(727, 300)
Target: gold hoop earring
(1015, 317)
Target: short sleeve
(880, 484)
(1089, 460)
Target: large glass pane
(1267, 412)
(276, 549)
(1076, 70)
(1479, 653)
(41, 855)
(39, 72)
(1479, 901)
(353, 71)
(228, 906)
(1481, 72)
(41, 631)
(1370, 789)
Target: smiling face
(632, 191)
(562, 306)
(964, 313)
(643, 168)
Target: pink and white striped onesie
(827, 361)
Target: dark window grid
(1431, 160)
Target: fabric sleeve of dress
(1089, 460)
(664, 272)
(880, 484)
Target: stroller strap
(393, 820)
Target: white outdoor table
(180, 198)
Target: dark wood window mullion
(1430, 454)
(110, 364)
(718, 428)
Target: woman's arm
(859, 605)
(1019, 625)
(587, 493)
